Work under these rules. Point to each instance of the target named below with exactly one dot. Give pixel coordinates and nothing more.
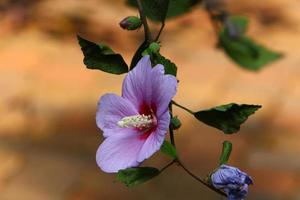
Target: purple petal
(238, 194)
(248, 180)
(111, 109)
(163, 89)
(119, 152)
(155, 139)
(150, 86)
(137, 84)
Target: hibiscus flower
(134, 125)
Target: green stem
(148, 36)
(182, 107)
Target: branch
(201, 180)
(147, 32)
(167, 166)
(160, 31)
(172, 139)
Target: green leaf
(169, 149)
(227, 118)
(242, 49)
(152, 49)
(170, 68)
(248, 54)
(179, 7)
(101, 57)
(158, 10)
(137, 175)
(138, 54)
(156, 58)
(154, 9)
(226, 151)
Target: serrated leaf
(248, 54)
(169, 149)
(101, 57)
(137, 175)
(156, 58)
(170, 67)
(241, 49)
(158, 10)
(226, 151)
(138, 54)
(227, 118)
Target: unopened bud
(232, 29)
(154, 47)
(175, 123)
(131, 23)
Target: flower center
(137, 121)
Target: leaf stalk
(182, 107)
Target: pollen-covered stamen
(136, 121)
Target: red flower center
(149, 111)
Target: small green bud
(131, 23)
(154, 47)
(175, 123)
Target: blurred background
(48, 135)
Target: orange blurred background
(48, 135)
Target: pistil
(136, 121)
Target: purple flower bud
(131, 23)
(232, 181)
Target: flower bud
(154, 47)
(175, 123)
(233, 30)
(232, 181)
(131, 23)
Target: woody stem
(171, 131)
(148, 35)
